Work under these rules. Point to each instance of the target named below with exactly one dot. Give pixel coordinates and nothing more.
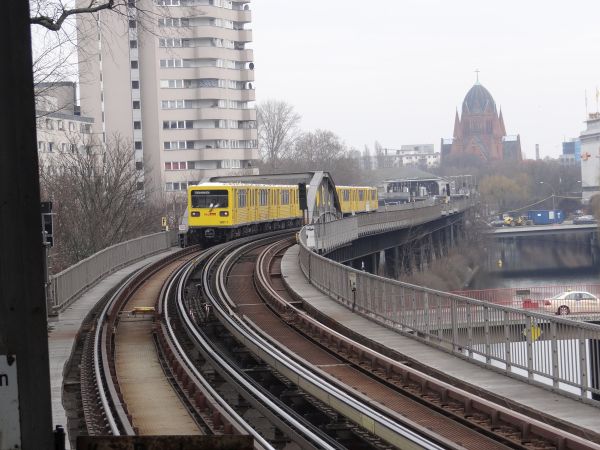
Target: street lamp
(553, 194)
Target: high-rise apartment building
(174, 78)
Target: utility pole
(25, 411)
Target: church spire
(457, 131)
(501, 119)
(477, 76)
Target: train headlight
(195, 214)
(224, 213)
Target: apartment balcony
(211, 154)
(243, 16)
(242, 95)
(208, 134)
(207, 114)
(183, 73)
(206, 52)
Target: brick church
(480, 130)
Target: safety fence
(327, 236)
(67, 285)
(548, 350)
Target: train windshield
(209, 199)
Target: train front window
(210, 199)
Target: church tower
(480, 130)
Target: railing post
(507, 340)
(454, 324)
(529, 336)
(554, 354)
(486, 330)
(583, 366)
(426, 318)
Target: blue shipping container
(546, 217)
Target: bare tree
(277, 131)
(323, 150)
(367, 164)
(97, 199)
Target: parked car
(497, 223)
(580, 220)
(572, 302)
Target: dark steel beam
(23, 327)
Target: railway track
(242, 357)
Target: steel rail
(304, 377)
(103, 379)
(477, 403)
(308, 435)
(177, 284)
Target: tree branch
(55, 24)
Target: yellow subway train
(219, 212)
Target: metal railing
(328, 236)
(67, 285)
(547, 350)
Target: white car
(572, 302)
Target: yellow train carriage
(218, 212)
(357, 199)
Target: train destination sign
(10, 428)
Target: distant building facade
(480, 131)
(60, 127)
(590, 157)
(571, 152)
(421, 156)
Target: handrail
(546, 350)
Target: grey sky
(396, 70)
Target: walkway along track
(123, 389)
(498, 422)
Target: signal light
(224, 213)
(195, 214)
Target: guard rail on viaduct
(67, 285)
(550, 351)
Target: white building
(590, 157)
(175, 78)
(60, 128)
(414, 155)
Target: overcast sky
(396, 70)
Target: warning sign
(10, 430)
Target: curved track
(226, 324)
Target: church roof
(478, 100)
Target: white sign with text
(10, 429)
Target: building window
(135, 84)
(133, 43)
(41, 146)
(132, 24)
(63, 147)
(137, 125)
(49, 124)
(140, 185)
(139, 165)
(168, 166)
(50, 146)
(136, 104)
(134, 64)
(137, 145)
(61, 125)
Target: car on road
(497, 223)
(580, 220)
(570, 302)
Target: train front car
(209, 213)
